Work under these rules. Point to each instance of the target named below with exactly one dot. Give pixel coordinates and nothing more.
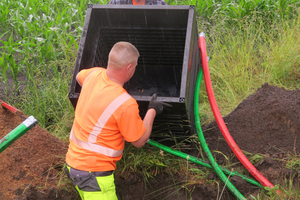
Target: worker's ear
(128, 67)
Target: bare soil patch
(265, 123)
(32, 163)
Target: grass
(254, 55)
(249, 43)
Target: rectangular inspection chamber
(169, 62)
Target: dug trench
(265, 124)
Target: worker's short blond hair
(122, 54)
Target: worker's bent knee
(92, 187)
(108, 189)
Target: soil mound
(30, 168)
(266, 122)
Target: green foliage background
(249, 42)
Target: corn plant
(4, 68)
(9, 56)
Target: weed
(293, 163)
(256, 158)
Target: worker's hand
(157, 105)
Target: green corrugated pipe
(17, 132)
(200, 161)
(214, 164)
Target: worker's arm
(154, 108)
(77, 79)
(148, 123)
(84, 74)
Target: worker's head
(123, 56)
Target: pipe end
(30, 122)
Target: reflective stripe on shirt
(110, 109)
(90, 144)
(95, 147)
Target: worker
(138, 2)
(105, 116)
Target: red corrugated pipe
(234, 147)
(9, 107)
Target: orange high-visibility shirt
(134, 3)
(105, 116)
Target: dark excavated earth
(266, 123)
